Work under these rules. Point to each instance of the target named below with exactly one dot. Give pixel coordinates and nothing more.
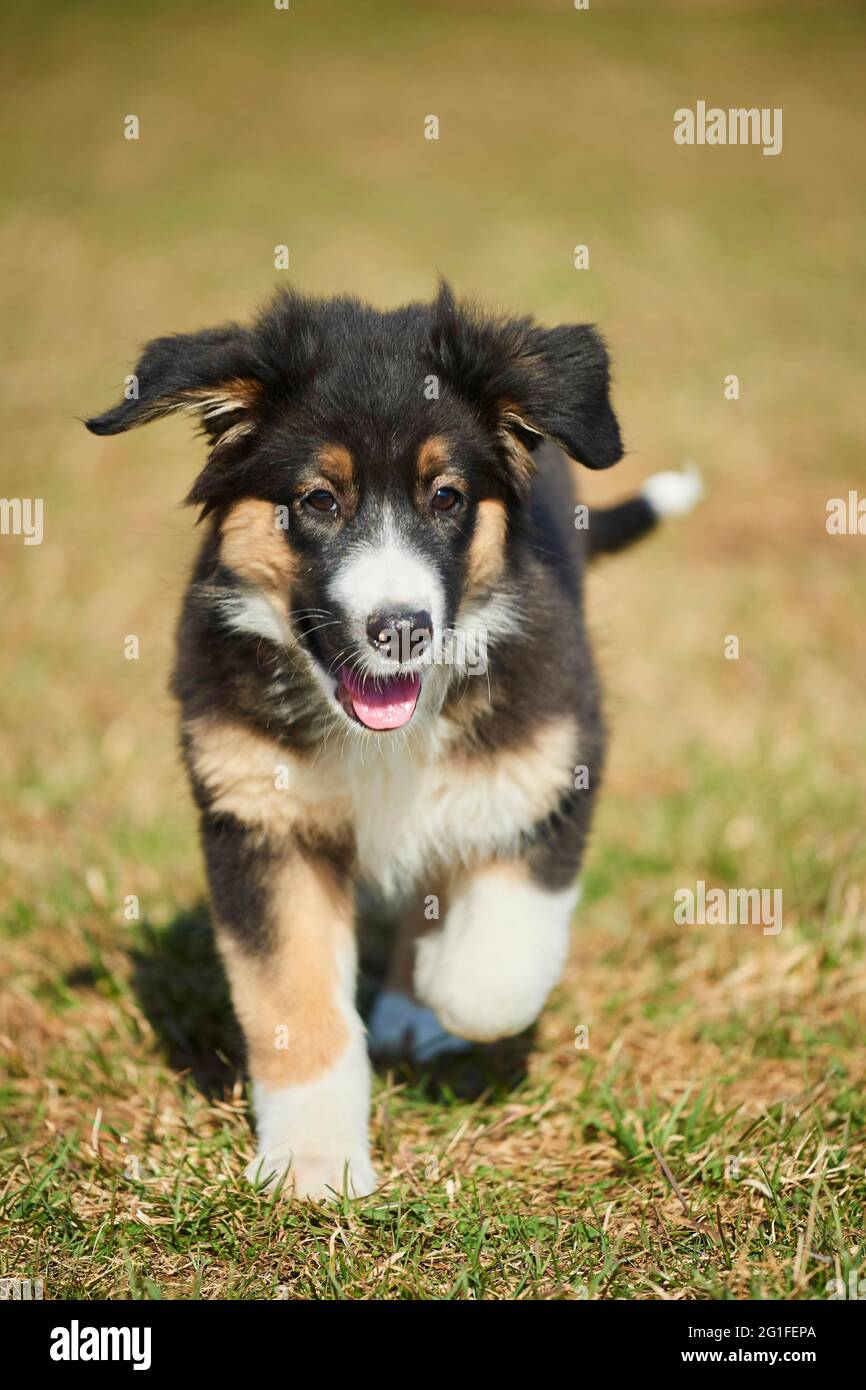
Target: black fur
(613, 528)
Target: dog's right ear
(216, 374)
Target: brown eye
(320, 500)
(445, 499)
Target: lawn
(688, 1120)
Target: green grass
(711, 1140)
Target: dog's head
(368, 472)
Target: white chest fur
(418, 807)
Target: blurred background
(305, 128)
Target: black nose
(400, 636)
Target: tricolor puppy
(384, 678)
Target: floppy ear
(537, 383)
(230, 377)
(214, 373)
(565, 394)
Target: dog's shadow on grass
(490, 1071)
(179, 982)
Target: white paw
(312, 1131)
(468, 997)
(487, 973)
(320, 1177)
(400, 1027)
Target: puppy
(384, 678)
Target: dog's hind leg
(400, 1025)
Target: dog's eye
(321, 500)
(445, 499)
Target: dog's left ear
(535, 383)
(562, 393)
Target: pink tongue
(382, 704)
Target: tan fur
(286, 998)
(254, 546)
(543, 765)
(434, 457)
(515, 870)
(254, 779)
(535, 774)
(231, 436)
(337, 467)
(522, 467)
(512, 871)
(236, 394)
(486, 559)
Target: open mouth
(379, 702)
(375, 702)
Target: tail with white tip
(663, 494)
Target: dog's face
(368, 473)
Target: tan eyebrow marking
(337, 465)
(434, 457)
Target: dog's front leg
(284, 921)
(488, 971)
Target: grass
(710, 1140)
